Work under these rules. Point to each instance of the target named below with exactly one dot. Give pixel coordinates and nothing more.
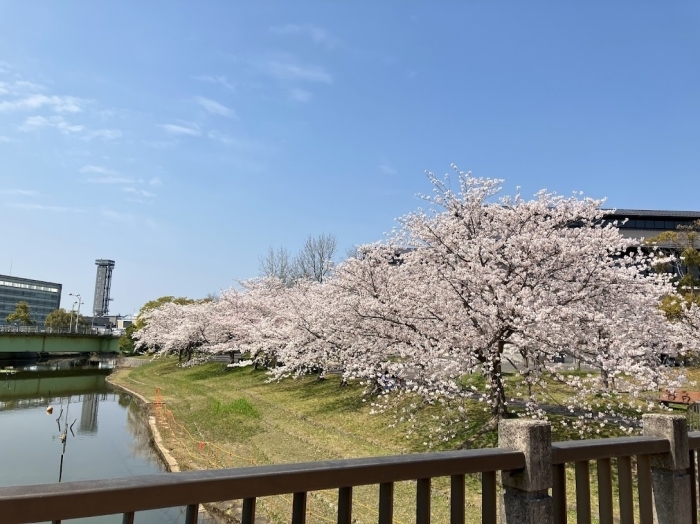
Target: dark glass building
(42, 297)
(644, 223)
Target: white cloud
(60, 104)
(317, 34)
(33, 123)
(288, 69)
(116, 216)
(111, 179)
(24, 85)
(66, 128)
(213, 107)
(18, 192)
(387, 168)
(50, 110)
(98, 170)
(20, 88)
(108, 176)
(41, 207)
(5, 139)
(224, 139)
(104, 134)
(175, 129)
(300, 95)
(216, 79)
(239, 143)
(138, 192)
(160, 144)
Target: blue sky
(181, 139)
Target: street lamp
(77, 316)
(70, 324)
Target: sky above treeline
(181, 139)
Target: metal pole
(77, 316)
(70, 324)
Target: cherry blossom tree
(183, 329)
(485, 280)
(473, 283)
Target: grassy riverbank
(234, 418)
(215, 417)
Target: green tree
(126, 343)
(60, 318)
(684, 243)
(139, 323)
(21, 314)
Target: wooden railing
(129, 495)
(582, 453)
(531, 466)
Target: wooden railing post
(669, 471)
(526, 497)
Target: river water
(94, 432)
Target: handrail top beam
(105, 497)
(595, 449)
(694, 439)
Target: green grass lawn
(242, 419)
(232, 418)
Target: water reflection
(61, 421)
(88, 415)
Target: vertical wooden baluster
(386, 503)
(489, 515)
(128, 518)
(583, 493)
(423, 501)
(605, 496)
(457, 499)
(624, 474)
(248, 513)
(646, 506)
(559, 493)
(693, 488)
(345, 505)
(191, 514)
(299, 508)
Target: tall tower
(103, 283)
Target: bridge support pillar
(526, 497)
(669, 471)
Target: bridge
(26, 387)
(46, 343)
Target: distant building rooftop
(43, 297)
(649, 223)
(623, 213)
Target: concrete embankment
(170, 462)
(132, 362)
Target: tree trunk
(497, 391)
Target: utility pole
(77, 316)
(70, 324)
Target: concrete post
(526, 497)
(669, 471)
